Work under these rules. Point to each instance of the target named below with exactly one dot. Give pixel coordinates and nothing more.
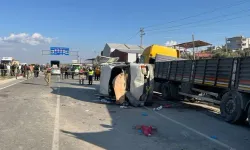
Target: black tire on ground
(174, 90)
(165, 90)
(230, 107)
(249, 115)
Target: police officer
(90, 74)
(48, 75)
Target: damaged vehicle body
(127, 82)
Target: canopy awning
(197, 43)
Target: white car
(55, 71)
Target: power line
(128, 39)
(206, 23)
(214, 18)
(203, 13)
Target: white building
(110, 47)
(238, 43)
(125, 52)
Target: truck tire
(249, 115)
(174, 90)
(230, 107)
(186, 87)
(165, 90)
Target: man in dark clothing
(137, 60)
(25, 70)
(1, 69)
(66, 73)
(90, 74)
(22, 70)
(73, 72)
(5, 70)
(36, 70)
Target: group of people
(90, 74)
(16, 70)
(12, 70)
(28, 70)
(3, 68)
(84, 73)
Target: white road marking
(193, 130)
(55, 142)
(11, 85)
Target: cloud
(171, 43)
(24, 38)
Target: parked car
(55, 71)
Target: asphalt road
(68, 116)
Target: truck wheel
(174, 90)
(230, 107)
(165, 91)
(249, 115)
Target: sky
(27, 27)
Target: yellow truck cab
(149, 54)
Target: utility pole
(77, 55)
(142, 33)
(226, 45)
(193, 47)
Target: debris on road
(214, 137)
(144, 114)
(167, 106)
(158, 108)
(124, 107)
(105, 101)
(146, 130)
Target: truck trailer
(224, 82)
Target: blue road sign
(59, 51)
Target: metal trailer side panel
(243, 75)
(209, 72)
(162, 70)
(224, 72)
(213, 72)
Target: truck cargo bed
(228, 73)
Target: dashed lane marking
(11, 85)
(55, 142)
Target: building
(126, 55)
(110, 47)
(125, 52)
(238, 43)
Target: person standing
(73, 72)
(81, 76)
(22, 70)
(62, 72)
(5, 68)
(36, 70)
(1, 68)
(66, 74)
(48, 75)
(28, 72)
(97, 73)
(90, 74)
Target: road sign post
(59, 51)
